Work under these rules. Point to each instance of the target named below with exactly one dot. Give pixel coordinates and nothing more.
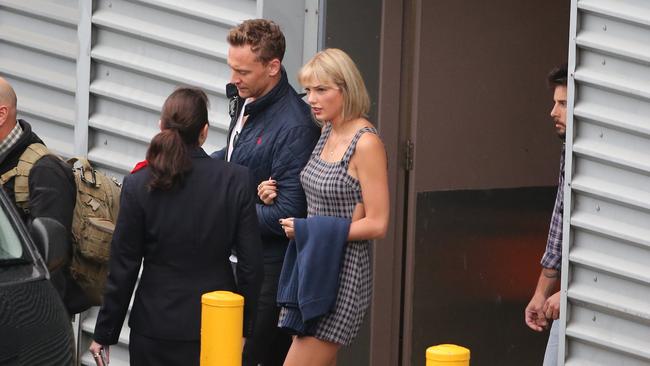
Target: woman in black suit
(182, 213)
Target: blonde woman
(346, 176)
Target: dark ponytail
(184, 115)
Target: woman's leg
(311, 351)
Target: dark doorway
(485, 168)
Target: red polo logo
(259, 140)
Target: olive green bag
(93, 221)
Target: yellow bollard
(222, 319)
(447, 355)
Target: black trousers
(268, 344)
(146, 351)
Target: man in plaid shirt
(544, 307)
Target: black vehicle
(34, 326)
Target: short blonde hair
(335, 66)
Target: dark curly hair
(558, 76)
(264, 36)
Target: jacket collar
(197, 152)
(26, 138)
(271, 97)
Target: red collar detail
(140, 166)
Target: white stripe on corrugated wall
(91, 75)
(606, 302)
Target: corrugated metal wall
(606, 305)
(91, 76)
(141, 50)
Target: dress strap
(353, 144)
(320, 145)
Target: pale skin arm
(369, 166)
(535, 313)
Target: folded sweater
(309, 279)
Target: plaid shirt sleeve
(553, 255)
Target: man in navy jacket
(272, 133)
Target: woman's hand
(95, 350)
(287, 226)
(267, 190)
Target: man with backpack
(47, 190)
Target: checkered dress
(331, 191)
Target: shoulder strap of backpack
(20, 172)
(87, 172)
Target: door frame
(391, 317)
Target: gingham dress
(331, 191)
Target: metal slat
(584, 354)
(633, 11)
(226, 13)
(46, 78)
(613, 266)
(161, 70)
(38, 42)
(50, 112)
(610, 332)
(45, 10)
(612, 183)
(182, 38)
(119, 92)
(614, 155)
(613, 46)
(612, 291)
(611, 228)
(613, 83)
(612, 192)
(612, 118)
(589, 335)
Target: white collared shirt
(237, 130)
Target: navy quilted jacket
(276, 141)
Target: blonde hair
(335, 66)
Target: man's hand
(552, 307)
(534, 314)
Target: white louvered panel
(38, 51)
(142, 51)
(607, 244)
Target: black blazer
(183, 237)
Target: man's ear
(4, 113)
(274, 66)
